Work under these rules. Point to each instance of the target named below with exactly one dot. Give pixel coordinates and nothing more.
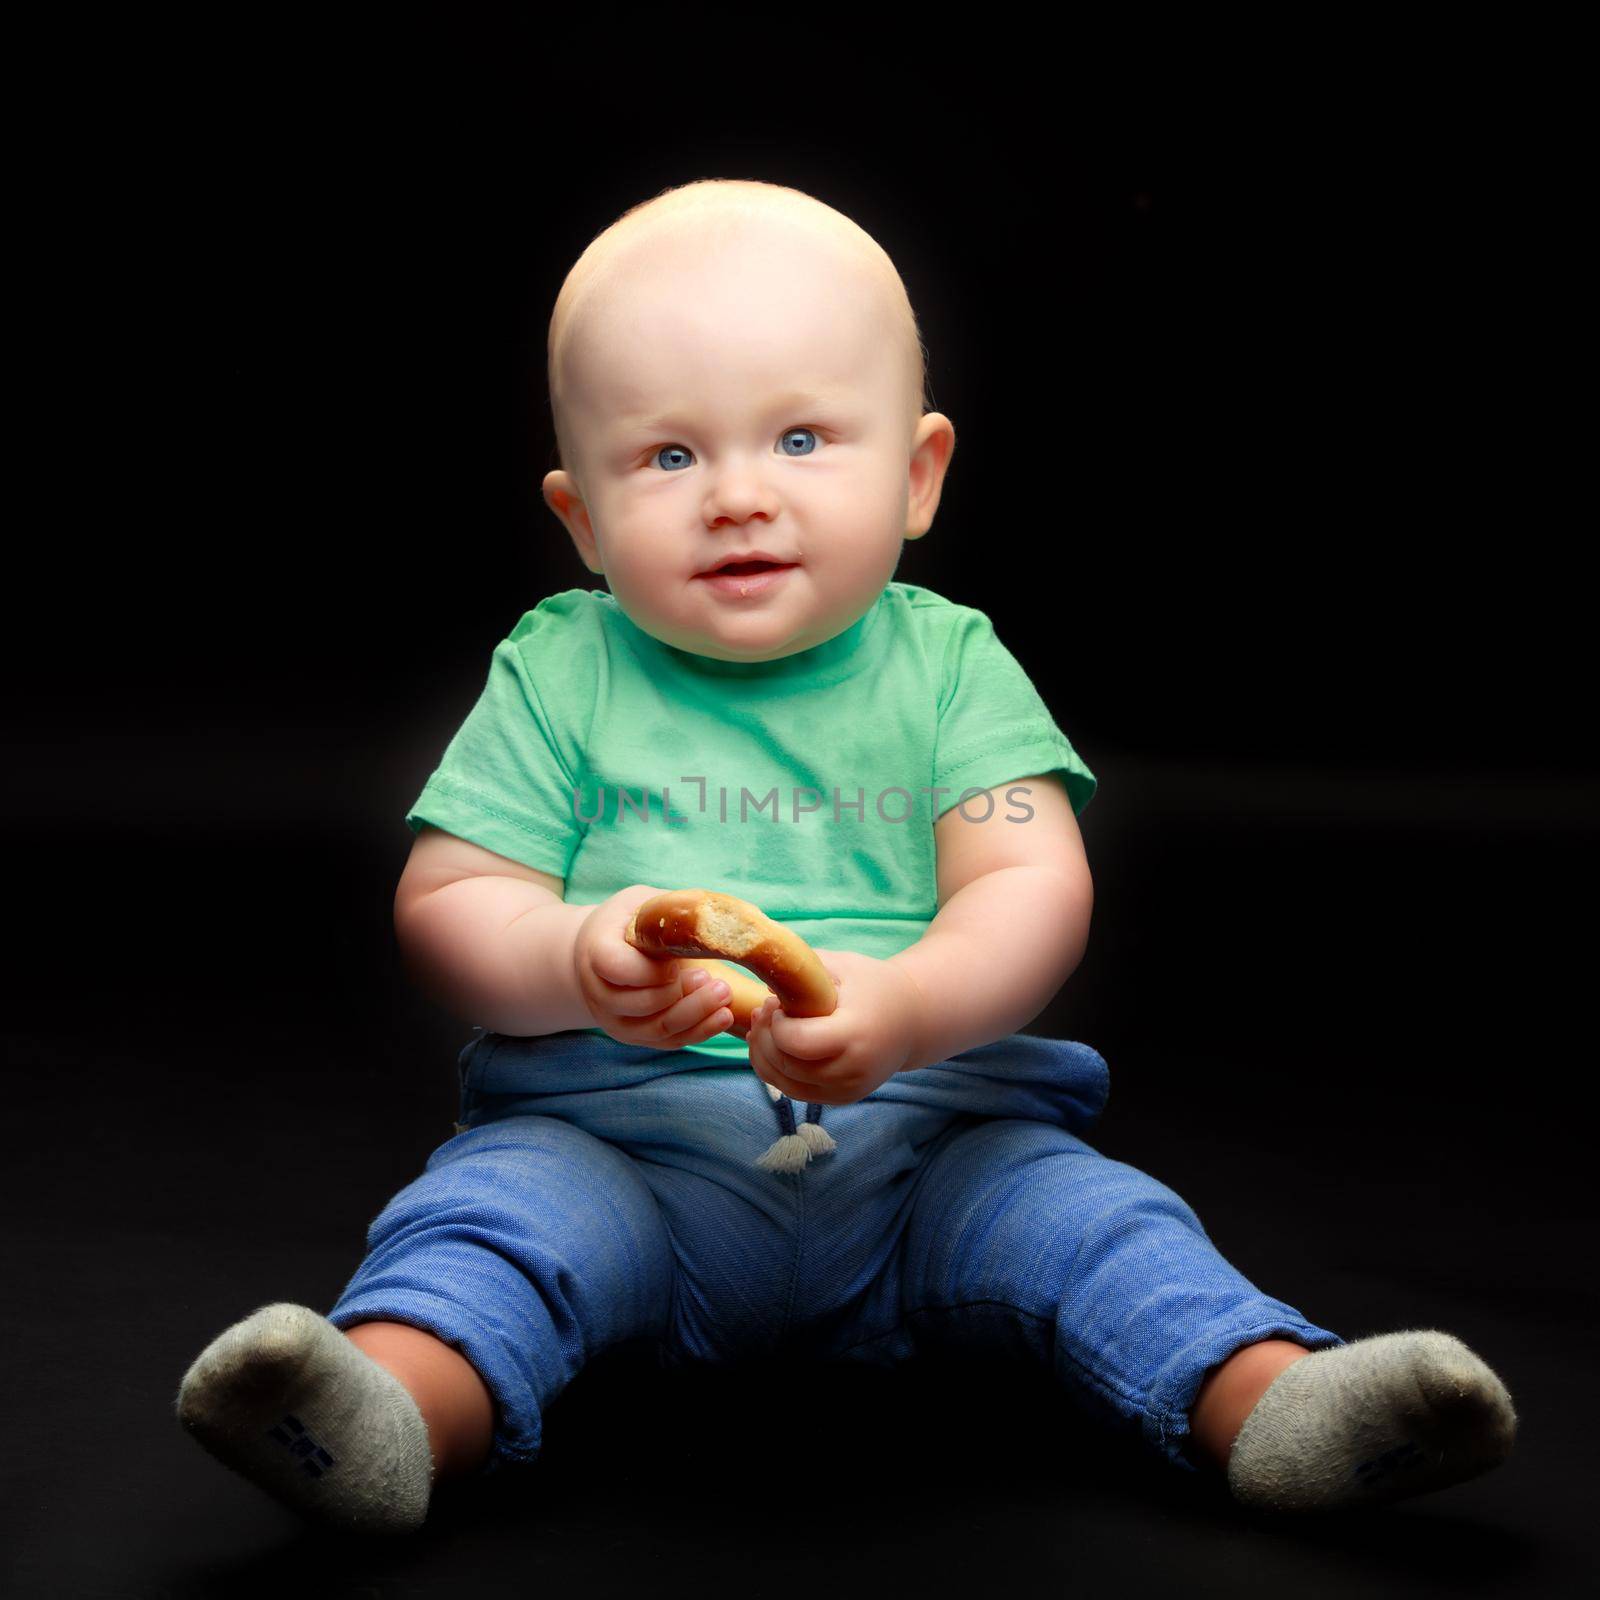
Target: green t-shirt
(604, 757)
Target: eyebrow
(828, 400)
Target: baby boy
(754, 704)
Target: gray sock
(284, 1398)
(1372, 1421)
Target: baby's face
(744, 401)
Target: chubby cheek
(870, 523)
(644, 561)
(855, 560)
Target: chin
(770, 649)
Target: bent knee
(1018, 1185)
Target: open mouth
(741, 569)
(743, 580)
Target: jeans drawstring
(794, 1146)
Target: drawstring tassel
(789, 1153)
(818, 1140)
(795, 1147)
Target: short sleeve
(993, 725)
(503, 782)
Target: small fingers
(802, 1038)
(778, 1067)
(616, 962)
(762, 1064)
(718, 1022)
(648, 1000)
(638, 1003)
(785, 1084)
(696, 1016)
(704, 997)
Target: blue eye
(784, 438)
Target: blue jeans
(599, 1193)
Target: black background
(1265, 376)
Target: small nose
(737, 494)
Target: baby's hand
(635, 998)
(838, 1059)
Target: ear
(562, 495)
(931, 448)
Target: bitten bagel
(702, 922)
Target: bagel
(702, 922)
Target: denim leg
(528, 1245)
(1024, 1242)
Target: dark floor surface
(146, 1243)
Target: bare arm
(488, 938)
(1015, 900)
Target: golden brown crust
(703, 922)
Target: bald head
(694, 225)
